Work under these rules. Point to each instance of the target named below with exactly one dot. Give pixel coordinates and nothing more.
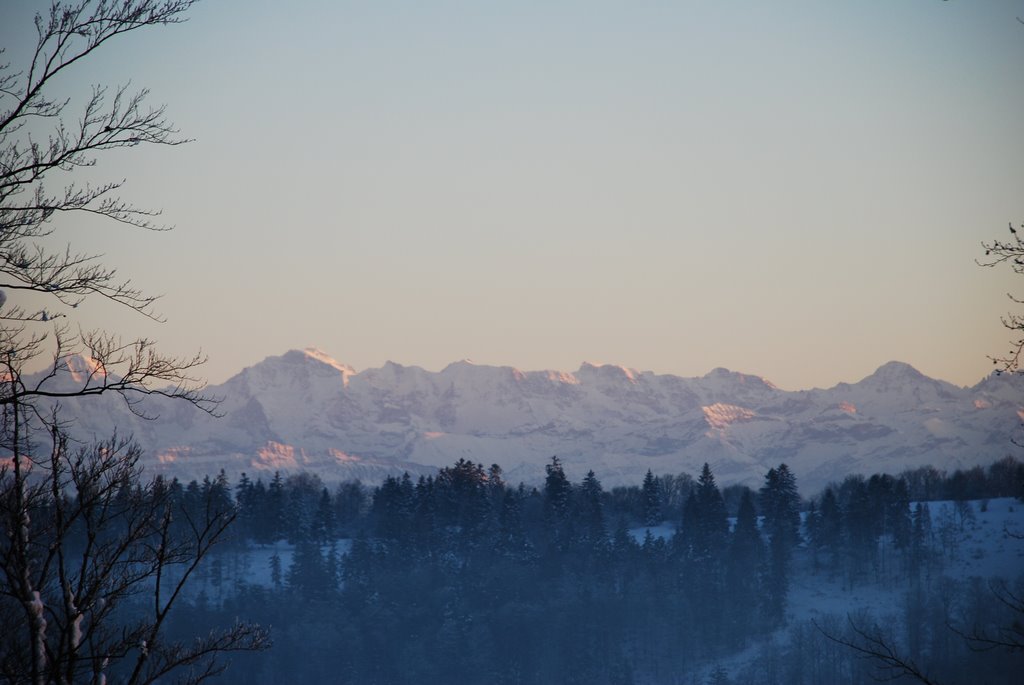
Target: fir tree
(392, 508)
(780, 505)
(274, 514)
(557, 490)
(426, 521)
(276, 576)
(650, 499)
(828, 533)
(323, 519)
(512, 539)
(920, 540)
(592, 531)
(707, 554)
(897, 515)
(713, 519)
(860, 538)
(310, 574)
(745, 556)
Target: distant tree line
(301, 506)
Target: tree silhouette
(82, 538)
(1009, 251)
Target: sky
(793, 189)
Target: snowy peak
(607, 372)
(318, 355)
(724, 376)
(461, 364)
(84, 369)
(900, 380)
(895, 372)
(302, 409)
(309, 359)
(468, 369)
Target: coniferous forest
(635, 181)
(464, 578)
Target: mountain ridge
(303, 410)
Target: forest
(463, 577)
(110, 576)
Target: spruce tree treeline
(462, 577)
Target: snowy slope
(303, 410)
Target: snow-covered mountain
(303, 410)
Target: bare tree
(29, 208)
(1009, 251)
(873, 645)
(891, 663)
(1009, 636)
(92, 559)
(94, 567)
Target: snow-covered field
(982, 548)
(986, 542)
(226, 569)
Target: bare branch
(1010, 252)
(874, 646)
(89, 539)
(1009, 637)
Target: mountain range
(305, 411)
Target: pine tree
(592, 530)
(713, 521)
(860, 540)
(258, 504)
(246, 512)
(650, 498)
(512, 540)
(624, 546)
(708, 542)
(192, 500)
(898, 515)
(358, 571)
(828, 534)
(276, 576)
(392, 508)
(780, 505)
(349, 506)
(323, 519)
(426, 521)
(557, 491)
(812, 526)
(310, 574)
(745, 557)
(687, 538)
(274, 514)
(221, 500)
(920, 540)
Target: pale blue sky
(792, 189)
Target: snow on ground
(979, 543)
(980, 548)
(223, 570)
(984, 547)
(664, 531)
(987, 547)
